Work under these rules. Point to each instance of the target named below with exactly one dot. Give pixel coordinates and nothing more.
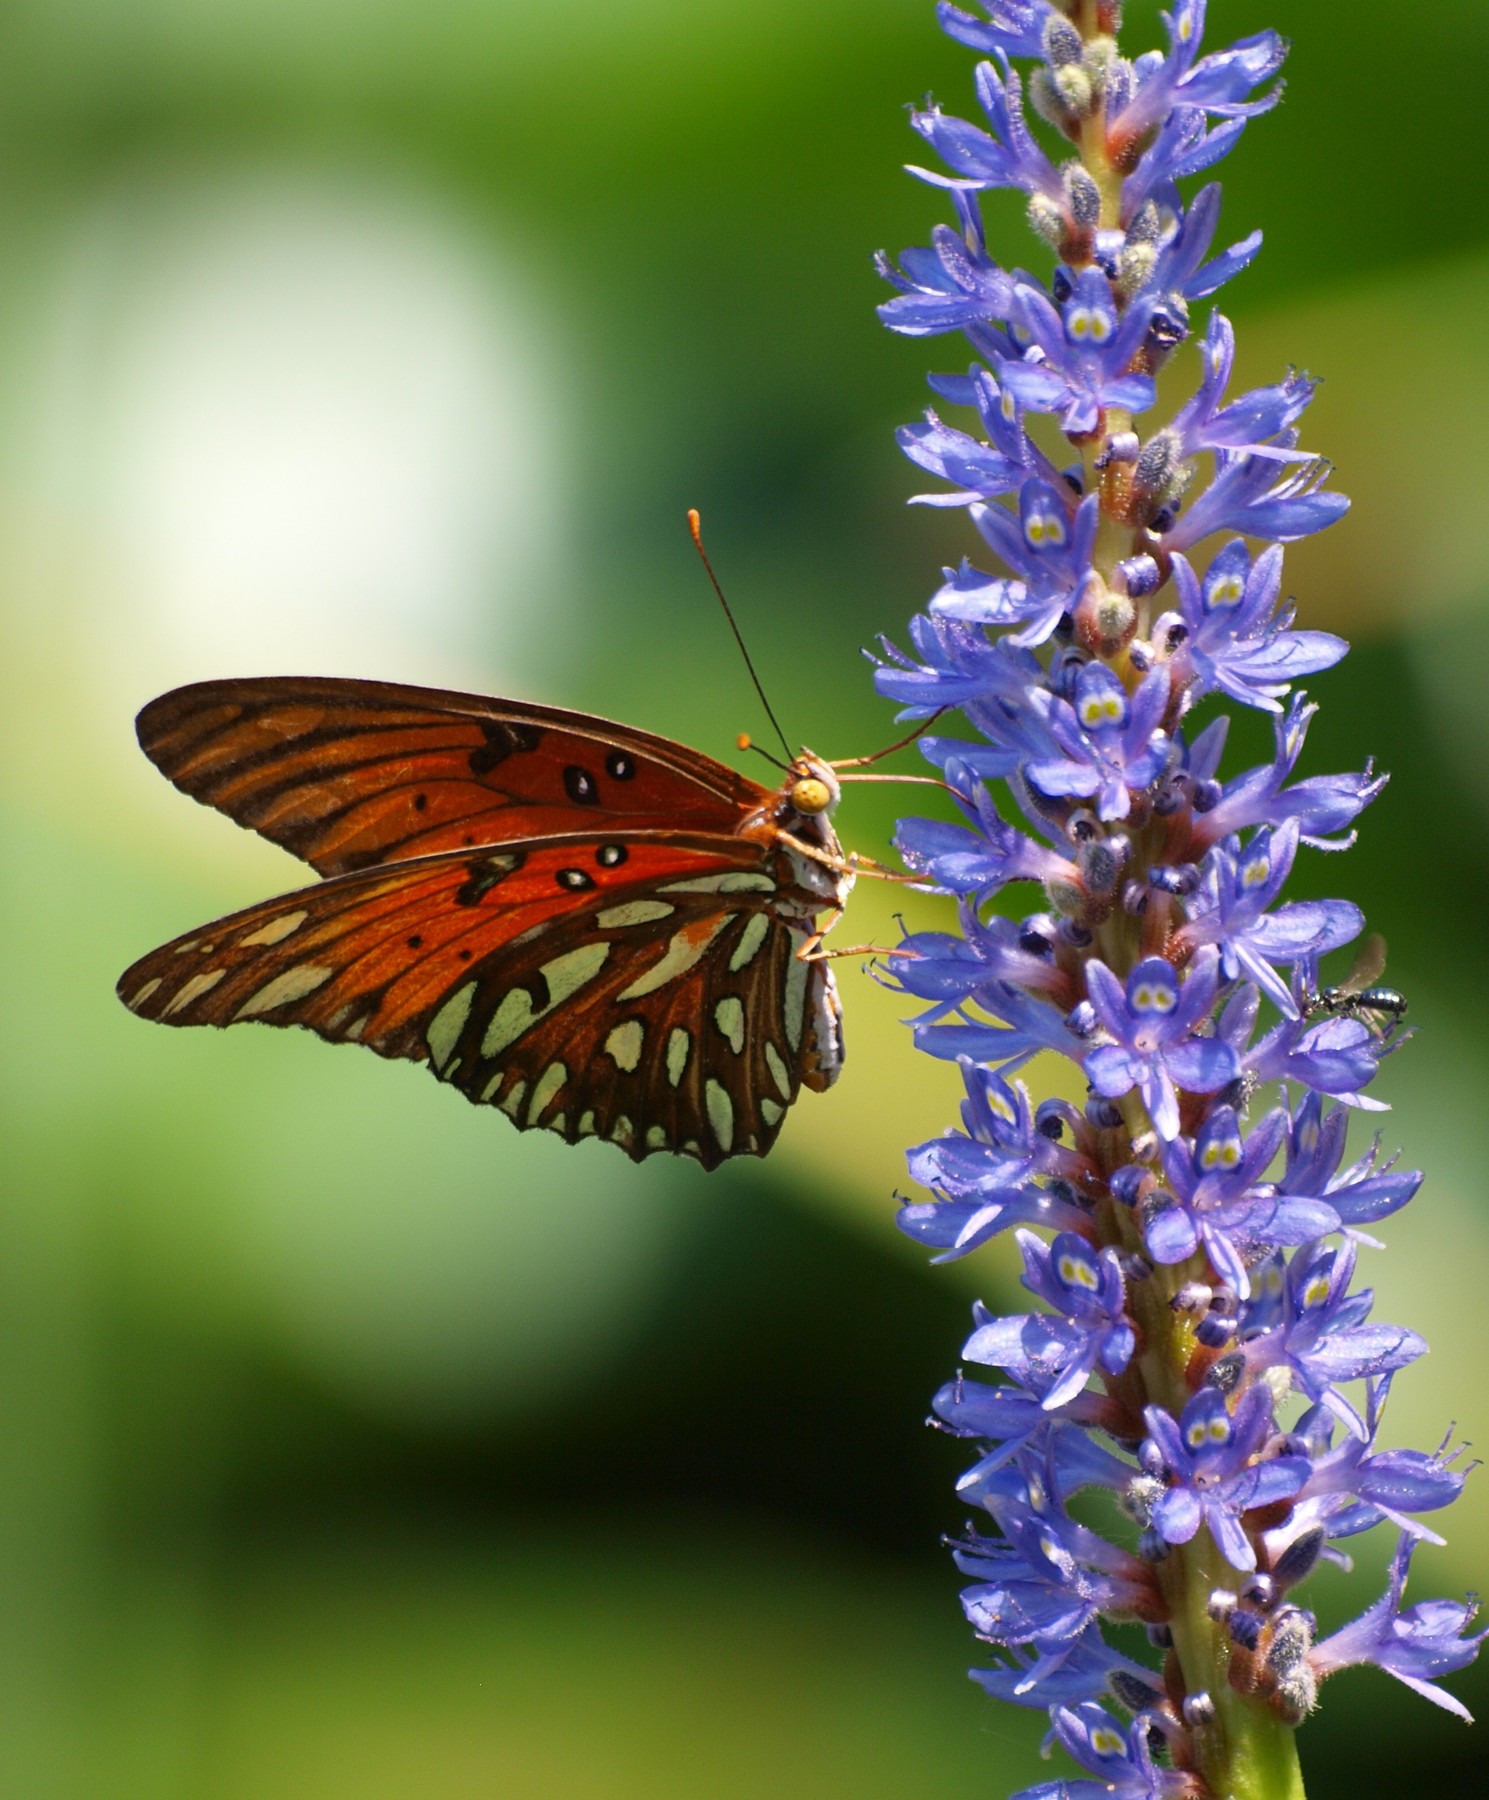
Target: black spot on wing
(487, 872)
(620, 766)
(503, 739)
(581, 786)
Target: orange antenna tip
(695, 525)
(744, 741)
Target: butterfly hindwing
(348, 774)
(635, 988)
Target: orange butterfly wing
(638, 987)
(347, 774)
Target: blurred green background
(351, 1444)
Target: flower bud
(1062, 42)
(1083, 196)
(1046, 220)
(1199, 1710)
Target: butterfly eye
(810, 795)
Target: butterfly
(600, 932)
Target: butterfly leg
(810, 949)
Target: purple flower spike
(1151, 1023)
(1190, 1230)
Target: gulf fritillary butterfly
(600, 932)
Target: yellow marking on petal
(1317, 1291)
(1219, 1431)
(720, 1113)
(633, 912)
(548, 1084)
(1106, 1742)
(779, 1073)
(679, 1043)
(448, 1023)
(144, 994)
(757, 927)
(1075, 1271)
(192, 990)
(728, 1015)
(293, 984)
(277, 930)
(1196, 1434)
(623, 1046)
(688, 947)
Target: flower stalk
(1201, 1358)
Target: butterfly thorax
(796, 821)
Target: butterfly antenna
(746, 742)
(697, 533)
(857, 762)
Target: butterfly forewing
(639, 988)
(347, 774)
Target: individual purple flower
(1322, 1338)
(1151, 1023)
(1221, 1204)
(1417, 1645)
(1007, 157)
(1120, 1757)
(1210, 1458)
(1220, 83)
(1230, 910)
(1048, 546)
(1082, 1670)
(1111, 744)
(1088, 1330)
(983, 858)
(1077, 363)
(1228, 636)
(1354, 1486)
(1248, 496)
(1323, 805)
(1362, 1194)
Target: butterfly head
(812, 789)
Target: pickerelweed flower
(1199, 1359)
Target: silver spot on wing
(679, 1043)
(687, 947)
(779, 1073)
(728, 1015)
(292, 984)
(633, 912)
(548, 1084)
(736, 881)
(623, 1045)
(277, 930)
(448, 1023)
(720, 1113)
(757, 928)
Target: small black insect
(1361, 994)
(1334, 1002)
